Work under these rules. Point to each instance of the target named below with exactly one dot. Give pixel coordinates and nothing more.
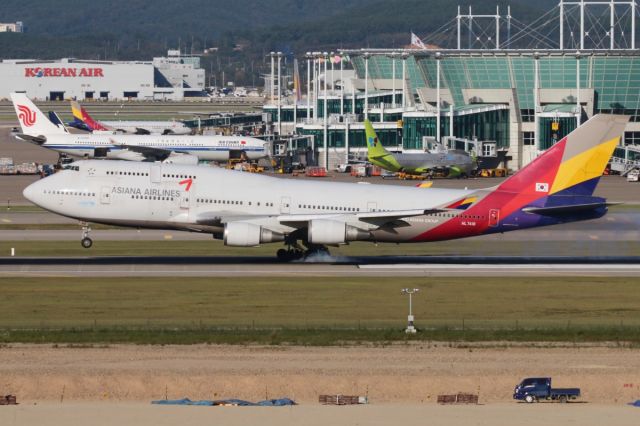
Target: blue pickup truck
(534, 389)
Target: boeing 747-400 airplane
(246, 210)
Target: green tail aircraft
(456, 162)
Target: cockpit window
(70, 167)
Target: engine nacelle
(177, 158)
(330, 232)
(243, 234)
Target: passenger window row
(213, 201)
(121, 173)
(65, 192)
(464, 216)
(151, 197)
(335, 208)
(179, 176)
(230, 202)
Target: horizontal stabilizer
(566, 210)
(34, 139)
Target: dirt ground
(139, 414)
(398, 374)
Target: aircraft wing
(297, 221)
(148, 152)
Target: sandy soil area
(410, 374)
(502, 414)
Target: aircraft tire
(86, 242)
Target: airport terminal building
(519, 101)
(167, 78)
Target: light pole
(438, 101)
(279, 95)
(410, 327)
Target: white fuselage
(207, 148)
(170, 196)
(153, 127)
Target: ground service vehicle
(633, 175)
(534, 389)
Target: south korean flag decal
(542, 187)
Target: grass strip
(316, 311)
(616, 336)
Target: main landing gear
(86, 241)
(296, 251)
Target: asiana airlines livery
(246, 210)
(82, 120)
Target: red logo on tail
(27, 116)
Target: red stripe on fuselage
(513, 194)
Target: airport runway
(326, 266)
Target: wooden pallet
(459, 398)
(8, 400)
(342, 400)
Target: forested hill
(242, 30)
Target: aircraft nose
(31, 192)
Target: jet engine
(243, 234)
(331, 232)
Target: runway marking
(576, 267)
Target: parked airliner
(185, 149)
(247, 210)
(82, 120)
(454, 162)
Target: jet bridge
(625, 159)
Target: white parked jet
(247, 210)
(186, 149)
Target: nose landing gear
(86, 241)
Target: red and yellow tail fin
(81, 114)
(574, 165)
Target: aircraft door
(184, 202)
(155, 173)
(285, 205)
(494, 217)
(105, 195)
(372, 206)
